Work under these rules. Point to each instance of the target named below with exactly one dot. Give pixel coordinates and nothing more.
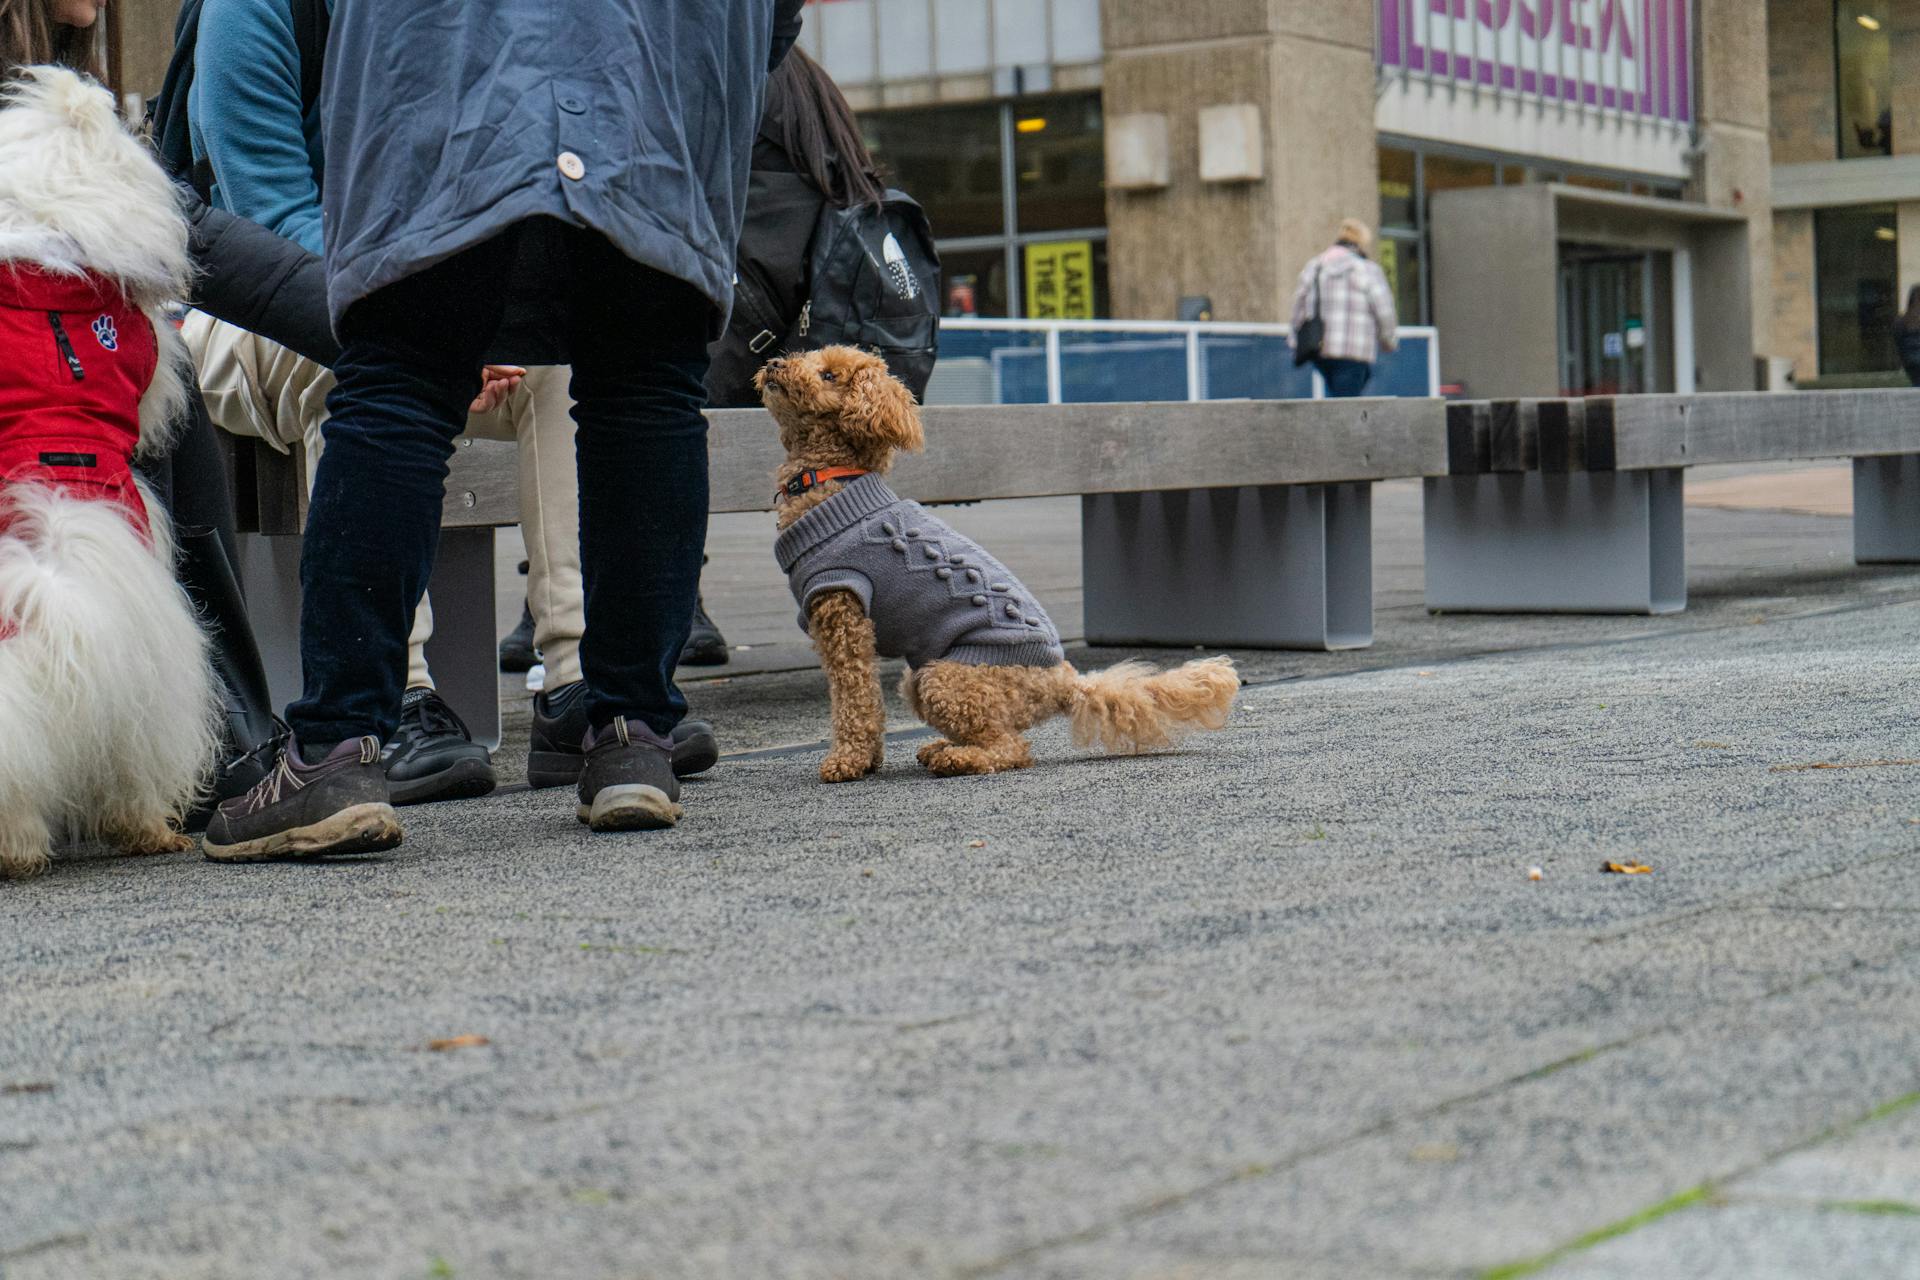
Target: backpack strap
(312, 21)
(170, 129)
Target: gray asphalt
(1283, 1004)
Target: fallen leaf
(1535, 873)
(31, 1086)
(867, 872)
(1627, 868)
(458, 1042)
(1851, 764)
(1423, 674)
(1714, 746)
(976, 844)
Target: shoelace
(267, 751)
(432, 716)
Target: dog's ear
(877, 407)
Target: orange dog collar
(814, 478)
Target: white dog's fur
(109, 713)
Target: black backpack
(874, 282)
(167, 117)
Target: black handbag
(1312, 334)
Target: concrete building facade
(1584, 195)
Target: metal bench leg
(1545, 542)
(462, 654)
(1267, 567)
(270, 575)
(1886, 510)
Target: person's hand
(497, 382)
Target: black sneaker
(706, 647)
(628, 782)
(558, 750)
(517, 653)
(432, 756)
(299, 810)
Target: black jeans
(1344, 377)
(410, 365)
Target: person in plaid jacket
(1355, 304)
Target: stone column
(1307, 68)
(1735, 168)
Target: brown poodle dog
(876, 576)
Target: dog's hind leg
(26, 845)
(843, 634)
(981, 710)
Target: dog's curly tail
(1133, 708)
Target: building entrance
(1613, 336)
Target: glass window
(948, 159)
(974, 282)
(1444, 173)
(1059, 164)
(1864, 80)
(1856, 265)
(1592, 183)
(1397, 182)
(1399, 257)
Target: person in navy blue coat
(607, 141)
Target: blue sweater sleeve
(249, 120)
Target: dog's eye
(826, 375)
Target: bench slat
(979, 453)
(1644, 433)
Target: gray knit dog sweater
(932, 593)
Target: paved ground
(1286, 1004)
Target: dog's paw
(25, 866)
(847, 766)
(151, 842)
(931, 751)
(946, 760)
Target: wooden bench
(1225, 523)
(1576, 506)
(1234, 523)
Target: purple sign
(1620, 55)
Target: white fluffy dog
(109, 714)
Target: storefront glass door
(1610, 343)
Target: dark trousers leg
(409, 367)
(1345, 378)
(639, 344)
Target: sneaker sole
(364, 828)
(464, 780)
(563, 769)
(632, 806)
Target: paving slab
(1284, 1002)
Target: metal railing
(985, 361)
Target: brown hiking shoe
(299, 810)
(628, 782)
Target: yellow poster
(1060, 280)
(1387, 254)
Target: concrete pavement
(1283, 1004)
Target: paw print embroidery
(104, 330)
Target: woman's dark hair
(809, 117)
(1912, 318)
(29, 36)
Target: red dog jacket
(75, 359)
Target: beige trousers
(254, 387)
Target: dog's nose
(776, 364)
